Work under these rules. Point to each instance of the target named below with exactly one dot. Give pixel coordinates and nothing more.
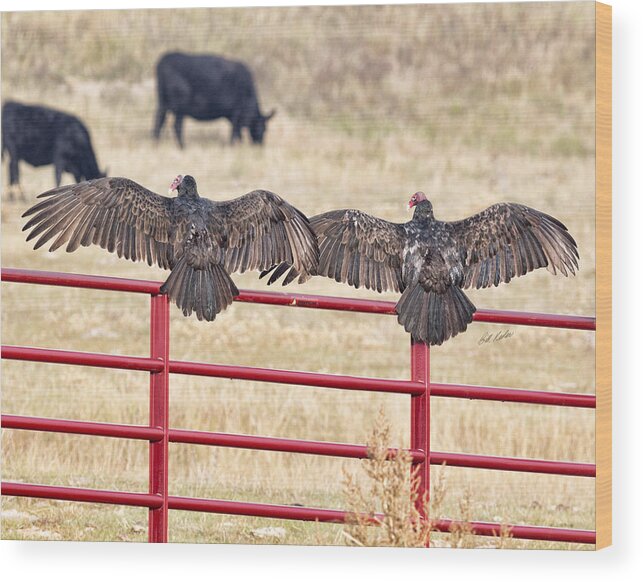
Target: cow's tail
(161, 105)
(161, 82)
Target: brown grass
(473, 104)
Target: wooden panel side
(603, 275)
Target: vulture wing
(356, 248)
(115, 213)
(261, 230)
(509, 240)
(360, 249)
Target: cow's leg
(159, 121)
(14, 177)
(14, 170)
(58, 160)
(58, 171)
(178, 128)
(236, 130)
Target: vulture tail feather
(205, 291)
(432, 317)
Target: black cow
(207, 87)
(41, 136)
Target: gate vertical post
(159, 416)
(421, 417)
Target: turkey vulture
(430, 261)
(201, 241)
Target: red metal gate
(159, 434)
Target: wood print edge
(603, 275)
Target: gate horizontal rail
(519, 395)
(292, 299)
(51, 356)
(159, 434)
(266, 510)
(283, 445)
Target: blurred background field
(473, 104)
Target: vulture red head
(416, 199)
(175, 183)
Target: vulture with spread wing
(201, 241)
(430, 261)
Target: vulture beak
(175, 184)
(416, 199)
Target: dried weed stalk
(389, 510)
(391, 499)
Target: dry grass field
(473, 104)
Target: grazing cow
(207, 87)
(42, 136)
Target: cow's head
(258, 126)
(91, 175)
